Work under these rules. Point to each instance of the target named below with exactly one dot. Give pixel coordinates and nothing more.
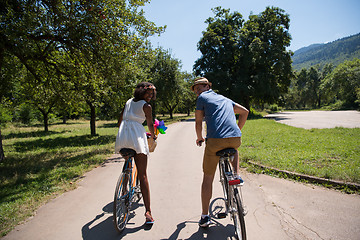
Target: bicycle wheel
(238, 215)
(121, 206)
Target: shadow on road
(105, 230)
(214, 232)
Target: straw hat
(200, 80)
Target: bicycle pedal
(221, 215)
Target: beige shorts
(214, 145)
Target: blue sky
(311, 21)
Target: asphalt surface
(277, 208)
(318, 119)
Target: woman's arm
(121, 117)
(148, 115)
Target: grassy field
(39, 165)
(327, 153)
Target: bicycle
(233, 200)
(127, 190)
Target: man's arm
(243, 114)
(199, 116)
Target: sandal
(149, 219)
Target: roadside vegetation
(327, 153)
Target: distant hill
(334, 52)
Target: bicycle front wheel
(121, 202)
(238, 215)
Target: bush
(274, 108)
(25, 114)
(253, 114)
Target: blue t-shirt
(219, 115)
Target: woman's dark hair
(141, 89)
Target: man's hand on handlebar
(199, 141)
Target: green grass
(327, 153)
(40, 165)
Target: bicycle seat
(226, 152)
(127, 152)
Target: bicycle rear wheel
(121, 206)
(238, 215)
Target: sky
(311, 21)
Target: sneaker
(204, 222)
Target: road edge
(312, 179)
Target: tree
(168, 81)
(99, 37)
(247, 61)
(221, 58)
(313, 87)
(10, 71)
(187, 97)
(344, 82)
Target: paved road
(277, 208)
(318, 119)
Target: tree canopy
(247, 61)
(86, 46)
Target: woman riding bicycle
(132, 135)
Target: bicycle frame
(130, 169)
(225, 173)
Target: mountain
(334, 52)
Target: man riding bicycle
(222, 132)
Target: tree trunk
(46, 121)
(92, 119)
(2, 155)
(64, 118)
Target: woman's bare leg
(141, 164)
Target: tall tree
(221, 49)
(10, 72)
(344, 83)
(168, 81)
(247, 61)
(99, 37)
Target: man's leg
(206, 193)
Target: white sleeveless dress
(131, 132)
